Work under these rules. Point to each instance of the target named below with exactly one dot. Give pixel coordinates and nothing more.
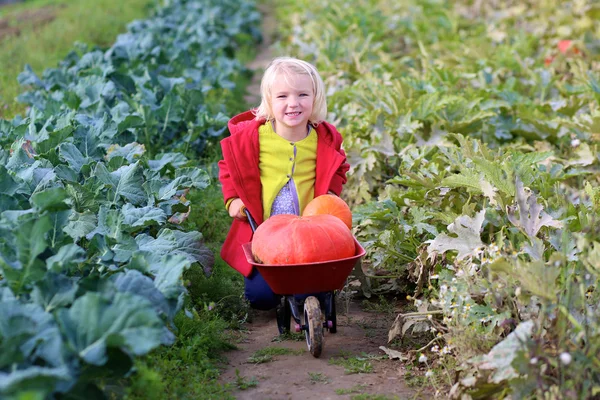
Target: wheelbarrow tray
(306, 278)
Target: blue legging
(261, 297)
(258, 292)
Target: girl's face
(292, 100)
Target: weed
(243, 383)
(366, 396)
(268, 354)
(291, 336)
(382, 306)
(353, 389)
(353, 364)
(317, 377)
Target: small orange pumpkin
(290, 239)
(332, 205)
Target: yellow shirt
(281, 160)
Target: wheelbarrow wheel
(314, 326)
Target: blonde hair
(287, 66)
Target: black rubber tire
(314, 321)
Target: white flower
(446, 350)
(518, 291)
(435, 349)
(575, 142)
(429, 373)
(566, 358)
(422, 358)
(533, 361)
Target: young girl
(278, 158)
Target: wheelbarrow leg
(330, 312)
(284, 315)
(293, 306)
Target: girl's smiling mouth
(293, 114)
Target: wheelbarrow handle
(250, 220)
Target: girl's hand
(236, 209)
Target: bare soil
(302, 376)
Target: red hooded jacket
(240, 177)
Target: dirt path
(298, 375)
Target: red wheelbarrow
(292, 280)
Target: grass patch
(317, 377)
(268, 354)
(353, 389)
(94, 22)
(353, 364)
(189, 368)
(367, 396)
(243, 383)
(291, 336)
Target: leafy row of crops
(472, 129)
(93, 186)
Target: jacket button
(288, 176)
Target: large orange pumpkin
(332, 205)
(290, 239)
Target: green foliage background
(472, 133)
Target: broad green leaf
(109, 223)
(50, 199)
(130, 152)
(8, 185)
(188, 244)
(168, 274)
(143, 216)
(44, 379)
(72, 156)
(199, 177)
(95, 322)
(466, 178)
(129, 183)
(135, 282)
(29, 242)
(28, 333)
(54, 291)
(68, 256)
(170, 189)
(176, 160)
(80, 225)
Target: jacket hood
(244, 121)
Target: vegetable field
(94, 182)
(473, 133)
